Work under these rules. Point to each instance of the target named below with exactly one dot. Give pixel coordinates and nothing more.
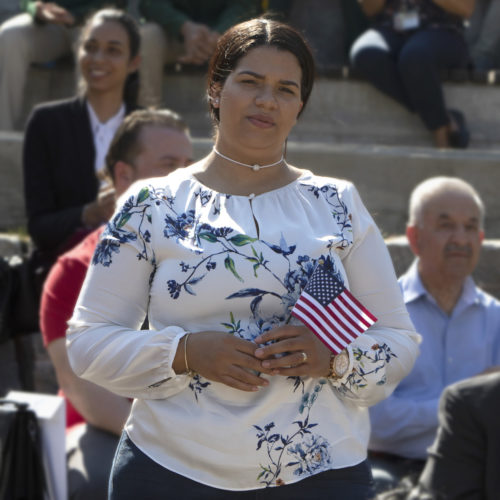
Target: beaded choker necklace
(254, 167)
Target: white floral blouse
(193, 259)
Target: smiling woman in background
(66, 141)
(231, 399)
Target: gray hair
(434, 186)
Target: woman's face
(260, 100)
(104, 57)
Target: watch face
(341, 364)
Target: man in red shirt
(147, 144)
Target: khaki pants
(22, 42)
(157, 49)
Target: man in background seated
(147, 144)
(459, 323)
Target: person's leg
(486, 51)
(90, 453)
(22, 43)
(157, 49)
(10, 379)
(420, 62)
(374, 55)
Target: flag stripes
(336, 321)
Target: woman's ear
(214, 95)
(134, 63)
(300, 110)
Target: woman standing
(66, 141)
(410, 43)
(233, 399)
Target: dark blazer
(464, 461)
(59, 174)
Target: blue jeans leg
(422, 58)
(407, 67)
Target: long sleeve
(457, 465)
(234, 13)
(219, 15)
(165, 14)
(387, 351)
(404, 424)
(104, 340)
(48, 224)
(28, 6)
(80, 9)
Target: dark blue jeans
(134, 475)
(407, 66)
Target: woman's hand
(221, 357)
(50, 12)
(295, 351)
(100, 210)
(198, 43)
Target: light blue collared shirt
(453, 348)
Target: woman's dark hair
(237, 41)
(131, 88)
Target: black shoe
(460, 137)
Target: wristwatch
(339, 364)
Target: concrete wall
(384, 176)
(339, 110)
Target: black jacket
(464, 461)
(59, 173)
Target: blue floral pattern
(297, 446)
(116, 235)
(309, 453)
(367, 363)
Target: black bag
(6, 295)
(21, 282)
(22, 475)
(29, 276)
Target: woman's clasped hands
(238, 363)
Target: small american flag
(327, 308)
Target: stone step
(340, 110)
(384, 175)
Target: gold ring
(304, 357)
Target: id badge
(407, 20)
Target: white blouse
(193, 259)
(103, 134)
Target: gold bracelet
(189, 373)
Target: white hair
(429, 189)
